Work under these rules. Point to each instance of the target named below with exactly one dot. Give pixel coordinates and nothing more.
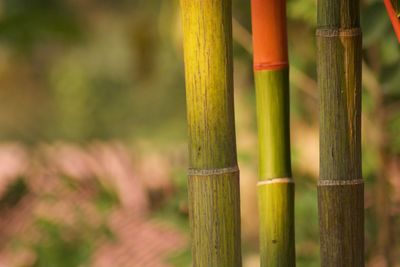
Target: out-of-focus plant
(25, 24)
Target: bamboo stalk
(213, 180)
(393, 9)
(340, 188)
(275, 187)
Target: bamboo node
(288, 180)
(325, 32)
(340, 182)
(208, 172)
(260, 66)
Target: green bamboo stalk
(272, 96)
(276, 188)
(340, 188)
(213, 180)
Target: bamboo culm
(213, 180)
(340, 187)
(276, 186)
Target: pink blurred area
(63, 182)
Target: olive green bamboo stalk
(340, 189)
(213, 181)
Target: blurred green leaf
(25, 23)
(374, 22)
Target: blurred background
(93, 137)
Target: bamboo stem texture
(213, 182)
(340, 188)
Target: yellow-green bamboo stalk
(213, 180)
(276, 186)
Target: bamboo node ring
(326, 32)
(276, 181)
(340, 182)
(208, 172)
(260, 66)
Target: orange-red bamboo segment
(269, 34)
(393, 18)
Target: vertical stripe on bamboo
(340, 189)
(213, 180)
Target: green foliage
(14, 193)
(303, 10)
(181, 259)
(306, 219)
(54, 250)
(175, 209)
(106, 198)
(27, 23)
(62, 245)
(102, 88)
(72, 244)
(374, 23)
(394, 127)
